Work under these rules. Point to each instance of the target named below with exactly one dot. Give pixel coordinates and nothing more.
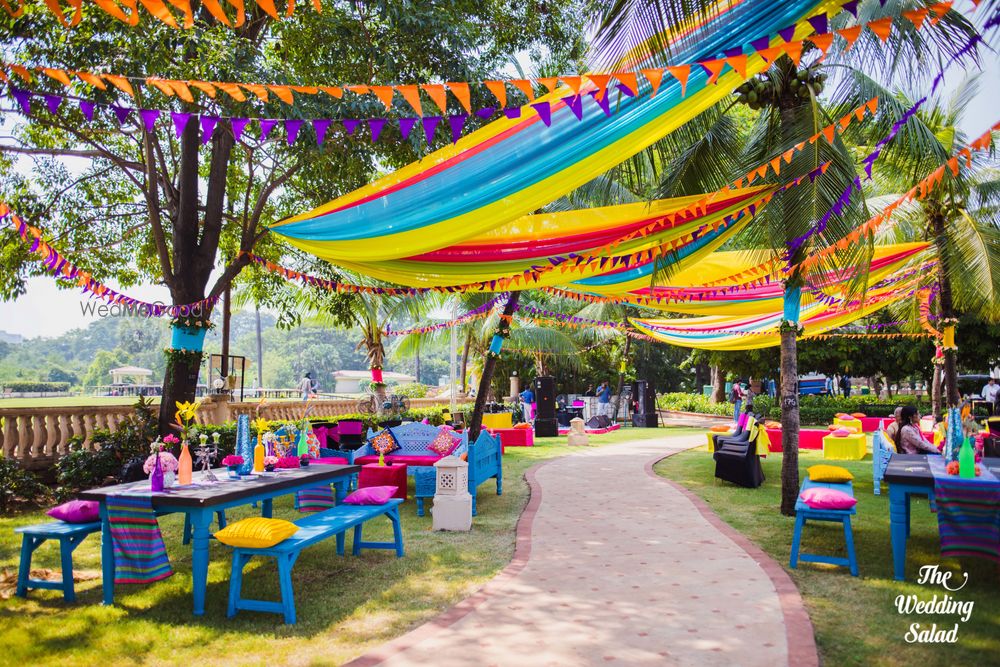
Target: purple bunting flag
(575, 105)
(23, 98)
(625, 90)
(406, 126)
(544, 112)
(238, 125)
(602, 102)
(486, 112)
(761, 44)
(819, 23)
(732, 53)
(851, 7)
(321, 125)
(375, 125)
(430, 124)
(456, 123)
(266, 125)
(788, 33)
(149, 118)
(514, 112)
(180, 121)
(292, 127)
(87, 109)
(53, 102)
(208, 124)
(121, 113)
(351, 124)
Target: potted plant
(233, 463)
(161, 460)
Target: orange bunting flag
(121, 83)
(601, 81)
(268, 6)
(438, 94)
(681, 73)
(776, 165)
(412, 95)
(161, 86)
(574, 82)
(822, 42)
(359, 90)
(794, 51)
(629, 80)
(204, 87)
(182, 91)
(550, 82)
(499, 90)
(850, 34)
(525, 87)
(828, 133)
(654, 76)
(787, 155)
(953, 165)
(461, 92)
(916, 16)
(259, 91)
(771, 53)
(739, 65)
(57, 74)
(232, 90)
(872, 105)
(882, 28)
(91, 80)
(939, 10)
(384, 93)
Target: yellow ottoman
(498, 420)
(849, 448)
(853, 423)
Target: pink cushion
(841, 432)
(443, 444)
(823, 498)
(399, 458)
(77, 511)
(330, 461)
(371, 495)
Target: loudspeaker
(598, 421)
(546, 428)
(645, 397)
(648, 420)
(545, 397)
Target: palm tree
(959, 216)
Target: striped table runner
(140, 555)
(968, 512)
(316, 499)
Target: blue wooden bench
(485, 461)
(312, 529)
(70, 535)
(882, 451)
(805, 513)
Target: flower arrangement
(270, 462)
(287, 462)
(233, 460)
(952, 468)
(171, 440)
(185, 417)
(168, 462)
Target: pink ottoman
(393, 474)
(514, 437)
(809, 438)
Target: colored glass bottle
(156, 477)
(258, 454)
(966, 460)
(303, 448)
(244, 444)
(184, 465)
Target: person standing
(845, 386)
(990, 392)
(736, 398)
(604, 399)
(527, 404)
(306, 386)
(829, 386)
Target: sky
(47, 311)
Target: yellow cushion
(828, 473)
(256, 533)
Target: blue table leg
(340, 490)
(201, 521)
(266, 509)
(107, 557)
(899, 514)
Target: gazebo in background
(136, 374)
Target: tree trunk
(789, 422)
(936, 391)
(465, 362)
(946, 310)
(489, 364)
(416, 364)
(718, 385)
(621, 382)
(260, 354)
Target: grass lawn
(345, 605)
(855, 618)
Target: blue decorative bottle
(244, 445)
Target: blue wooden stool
(804, 513)
(425, 485)
(70, 535)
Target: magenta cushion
(408, 459)
(329, 460)
(77, 511)
(823, 498)
(443, 444)
(841, 433)
(371, 495)
(742, 421)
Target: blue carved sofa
(413, 439)
(485, 459)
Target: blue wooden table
(199, 501)
(910, 475)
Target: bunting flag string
(866, 336)
(60, 267)
(475, 314)
(232, 13)
(626, 82)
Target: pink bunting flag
(292, 127)
(208, 124)
(456, 123)
(321, 125)
(430, 124)
(375, 125)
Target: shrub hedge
(813, 410)
(22, 386)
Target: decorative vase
(184, 465)
(258, 454)
(244, 445)
(966, 460)
(269, 468)
(303, 448)
(169, 479)
(304, 461)
(156, 477)
(381, 459)
(234, 471)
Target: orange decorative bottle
(184, 465)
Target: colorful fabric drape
(514, 166)
(316, 499)
(968, 512)
(140, 555)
